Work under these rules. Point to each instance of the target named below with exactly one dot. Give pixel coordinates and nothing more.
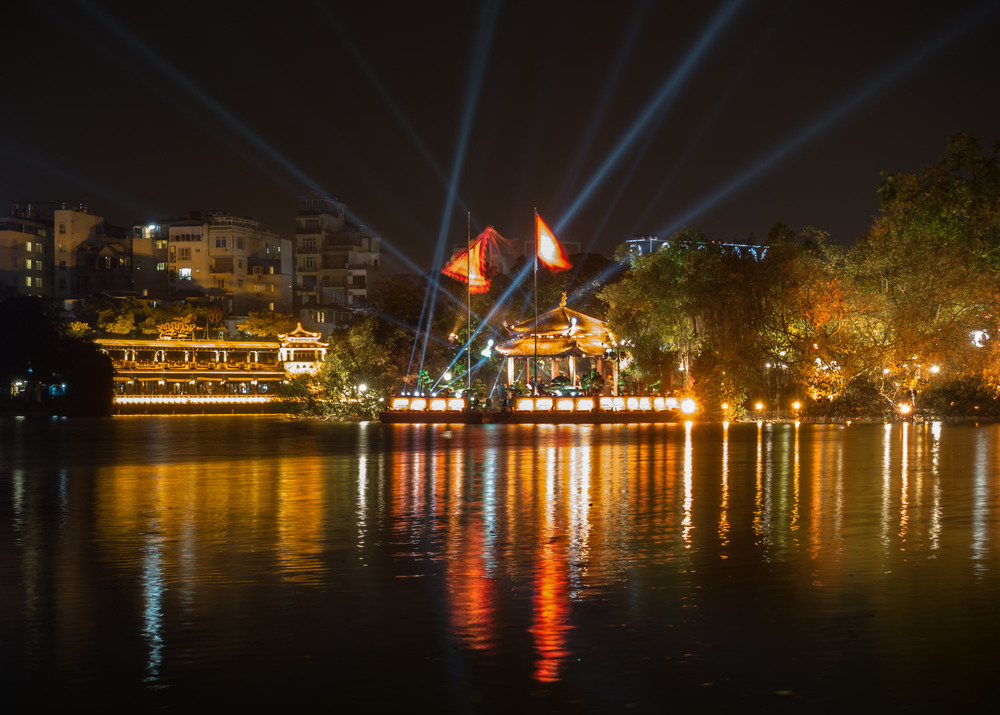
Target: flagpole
(535, 292)
(468, 308)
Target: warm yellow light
(191, 399)
(725, 405)
(904, 408)
(607, 403)
(659, 404)
(418, 404)
(618, 403)
(585, 404)
(400, 403)
(632, 403)
(565, 404)
(796, 405)
(688, 406)
(645, 404)
(543, 403)
(524, 404)
(438, 404)
(935, 369)
(759, 406)
(456, 403)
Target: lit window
(184, 274)
(161, 266)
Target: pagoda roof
(550, 346)
(301, 337)
(561, 321)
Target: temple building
(561, 337)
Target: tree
(358, 375)
(268, 325)
(929, 267)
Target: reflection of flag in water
(549, 251)
(470, 264)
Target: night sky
(613, 119)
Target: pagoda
(561, 334)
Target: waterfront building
(336, 263)
(89, 256)
(234, 260)
(25, 253)
(149, 260)
(178, 371)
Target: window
(27, 281)
(184, 254)
(258, 270)
(239, 242)
(62, 229)
(62, 246)
(309, 244)
(27, 246)
(308, 263)
(239, 283)
(220, 242)
(27, 263)
(161, 266)
(184, 274)
(38, 282)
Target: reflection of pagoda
(563, 334)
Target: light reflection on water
(626, 565)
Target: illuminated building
(335, 263)
(178, 370)
(89, 255)
(25, 253)
(234, 260)
(149, 260)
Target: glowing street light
(759, 406)
(904, 409)
(796, 405)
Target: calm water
(250, 563)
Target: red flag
(549, 251)
(469, 265)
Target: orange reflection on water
(550, 625)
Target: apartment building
(336, 262)
(25, 253)
(233, 259)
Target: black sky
(789, 112)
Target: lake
(254, 563)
